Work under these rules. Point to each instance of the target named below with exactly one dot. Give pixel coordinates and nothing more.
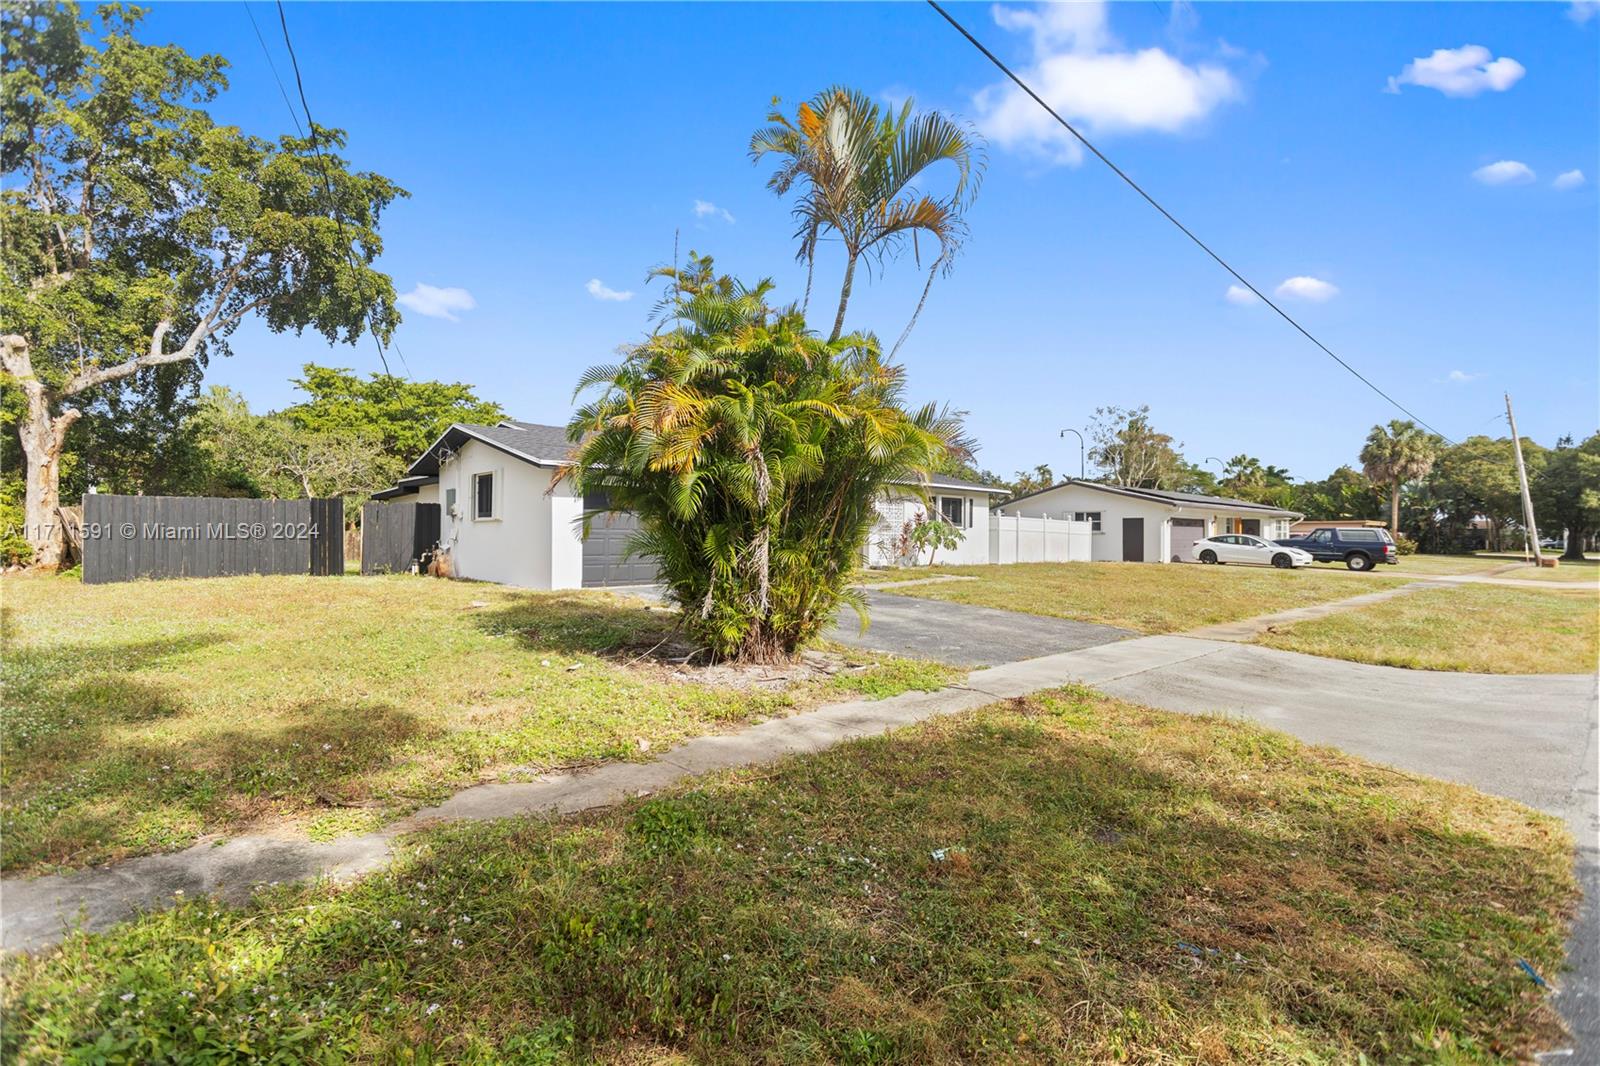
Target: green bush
(752, 452)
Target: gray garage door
(1185, 531)
(605, 558)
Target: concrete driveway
(962, 635)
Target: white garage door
(606, 561)
(1185, 531)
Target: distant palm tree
(1397, 454)
(858, 165)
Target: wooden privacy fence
(1015, 539)
(131, 537)
(394, 536)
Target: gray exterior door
(1185, 531)
(606, 561)
(1133, 540)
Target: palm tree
(858, 166)
(752, 453)
(1395, 455)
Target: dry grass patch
(1063, 879)
(1477, 628)
(141, 716)
(1143, 597)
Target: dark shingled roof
(529, 441)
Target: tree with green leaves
(1345, 493)
(1130, 451)
(1395, 455)
(858, 168)
(1477, 479)
(276, 456)
(404, 416)
(752, 453)
(1567, 492)
(138, 232)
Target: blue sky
(1401, 160)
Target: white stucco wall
(425, 494)
(895, 509)
(530, 542)
(1107, 545)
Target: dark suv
(1359, 549)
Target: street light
(1075, 433)
(1213, 459)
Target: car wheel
(1282, 561)
(1208, 556)
(1357, 561)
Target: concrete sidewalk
(1531, 738)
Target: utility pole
(1522, 476)
(1075, 433)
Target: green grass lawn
(1480, 628)
(141, 716)
(1584, 573)
(1061, 879)
(1443, 564)
(1147, 598)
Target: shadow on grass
(1065, 879)
(135, 794)
(578, 623)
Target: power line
(327, 185)
(1025, 87)
(294, 115)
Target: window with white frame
(483, 496)
(1092, 517)
(953, 509)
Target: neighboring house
(1148, 525)
(964, 504)
(501, 520)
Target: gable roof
(528, 441)
(1164, 496)
(940, 481)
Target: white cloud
(705, 208)
(1581, 11)
(1303, 287)
(1464, 71)
(600, 291)
(1238, 294)
(1505, 172)
(436, 302)
(1570, 179)
(1461, 377)
(1090, 79)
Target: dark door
(1133, 540)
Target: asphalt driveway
(962, 635)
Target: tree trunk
(42, 437)
(844, 297)
(918, 312)
(1394, 510)
(1575, 539)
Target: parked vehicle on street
(1359, 548)
(1242, 548)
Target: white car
(1242, 548)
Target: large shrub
(751, 450)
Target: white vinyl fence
(1015, 539)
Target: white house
(1148, 525)
(964, 504)
(504, 518)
